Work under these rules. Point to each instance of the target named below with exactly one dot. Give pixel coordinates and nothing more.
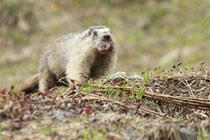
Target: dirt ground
(148, 33)
(155, 105)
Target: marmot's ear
(89, 33)
(90, 30)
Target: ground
(158, 104)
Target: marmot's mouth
(106, 47)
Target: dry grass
(165, 105)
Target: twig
(102, 98)
(196, 103)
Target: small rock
(188, 134)
(63, 115)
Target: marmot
(78, 56)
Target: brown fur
(30, 84)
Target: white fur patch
(104, 30)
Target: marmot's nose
(106, 37)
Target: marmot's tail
(30, 84)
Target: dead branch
(196, 103)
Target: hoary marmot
(78, 56)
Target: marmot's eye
(95, 33)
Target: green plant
(141, 92)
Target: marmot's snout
(106, 37)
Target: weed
(204, 135)
(45, 129)
(110, 92)
(93, 134)
(179, 118)
(86, 134)
(128, 117)
(118, 91)
(140, 93)
(132, 91)
(201, 95)
(2, 129)
(124, 91)
(147, 76)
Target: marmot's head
(103, 39)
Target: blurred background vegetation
(149, 33)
